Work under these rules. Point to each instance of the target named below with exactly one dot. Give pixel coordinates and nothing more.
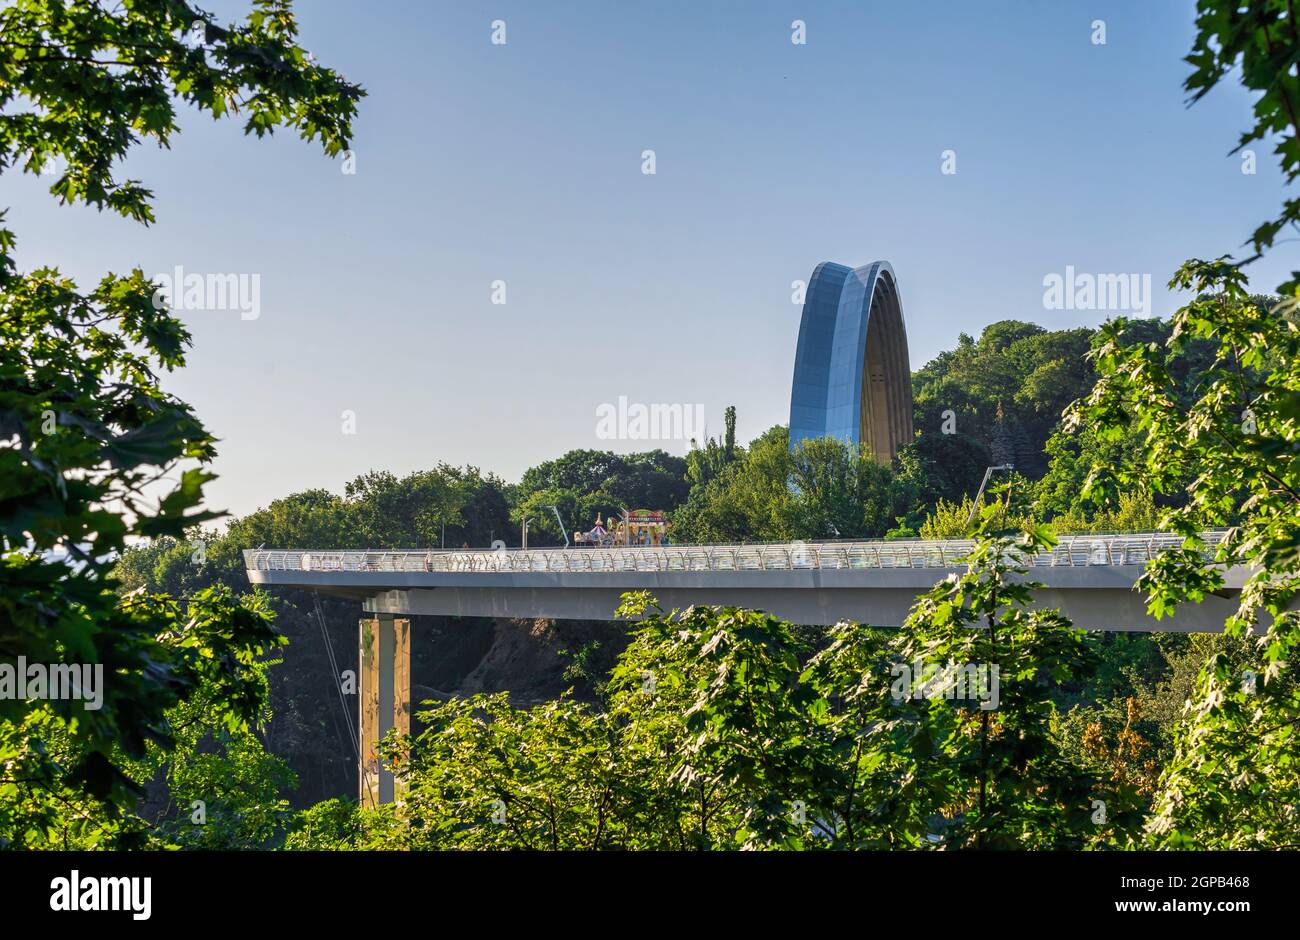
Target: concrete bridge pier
(384, 694)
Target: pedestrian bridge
(1089, 578)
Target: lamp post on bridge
(979, 494)
(563, 530)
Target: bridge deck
(1090, 578)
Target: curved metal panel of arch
(852, 378)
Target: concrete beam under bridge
(1110, 609)
(1098, 597)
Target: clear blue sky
(522, 162)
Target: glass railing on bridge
(1075, 550)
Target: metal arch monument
(852, 377)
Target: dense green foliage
(86, 431)
(1234, 758)
(1231, 782)
(1006, 390)
(584, 483)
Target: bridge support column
(384, 689)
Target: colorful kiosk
(636, 528)
(641, 528)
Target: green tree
(1236, 437)
(713, 697)
(223, 790)
(1001, 775)
(86, 426)
(484, 775)
(840, 491)
(583, 483)
(1016, 375)
(408, 513)
(748, 501)
(72, 774)
(1234, 756)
